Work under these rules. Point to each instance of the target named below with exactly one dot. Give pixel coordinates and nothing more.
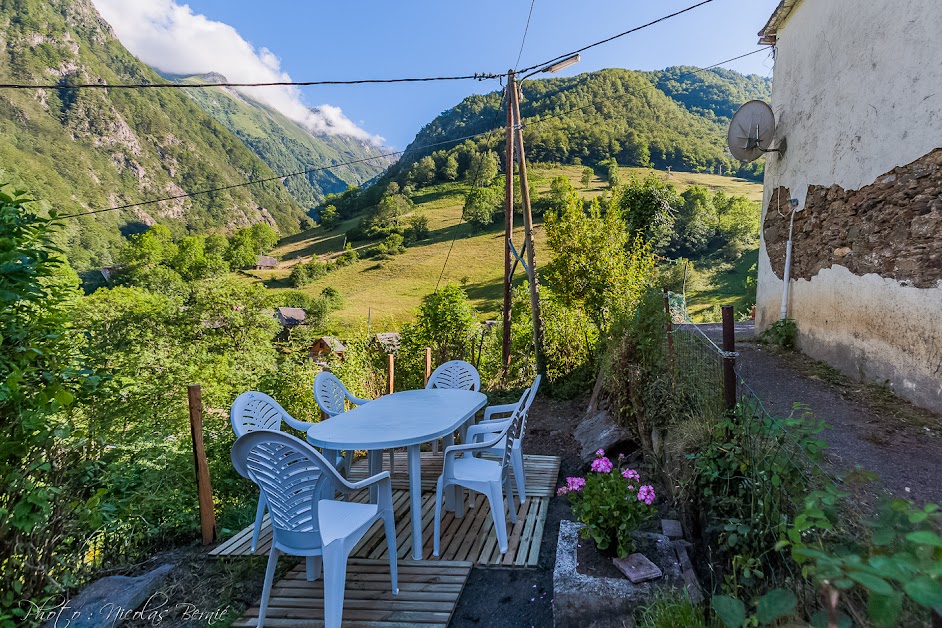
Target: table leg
(415, 494)
(329, 491)
(375, 461)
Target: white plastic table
(403, 419)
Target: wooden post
(391, 374)
(203, 487)
(508, 221)
(670, 332)
(729, 358)
(528, 237)
(428, 364)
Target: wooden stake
(528, 236)
(203, 487)
(391, 374)
(508, 221)
(428, 364)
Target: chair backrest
(455, 374)
(290, 474)
(513, 431)
(526, 406)
(253, 411)
(330, 393)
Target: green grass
(388, 291)
(715, 283)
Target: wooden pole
(428, 364)
(528, 236)
(729, 359)
(508, 222)
(391, 374)
(203, 487)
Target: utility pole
(527, 229)
(508, 221)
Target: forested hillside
(286, 147)
(658, 119)
(83, 150)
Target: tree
(329, 217)
(696, 221)
(648, 208)
(480, 205)
(450, 168)
(418, 226)
(445, 321)
(612, 171)
(264, 237)
(587, 175)
(423, 172)
(150, 248)
(561, 190)
(483, 168)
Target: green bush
(782, 334)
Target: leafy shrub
(782, 334)
(418, 227)
(611, 503)
(348, 257)
(305, 273)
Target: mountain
(287, 147)
(660, 119)
(91, 149)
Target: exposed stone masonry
(892, 227)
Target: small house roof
(291, 315)
(334, 343)
(388, 341)
(768, 34)
(266, 260)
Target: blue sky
(366, 39)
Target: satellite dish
(751, 131)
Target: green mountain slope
(639, 118)
(82, 150)
(287, 147)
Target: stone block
(599, 431)
(638, 568)
(672, 529)
(112, 600)
(588, 602)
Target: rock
(672, 529)
(638, 568)
(588, 602)
(599, 431)
(843, 251)
(112, 600)
(691, 582)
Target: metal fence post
(203, 487)
(729, 358)
(670, 332)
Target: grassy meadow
(388, 291)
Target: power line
(273, 178)
(525, 30)
(477, 76)
(613, 37)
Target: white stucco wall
(857, 91)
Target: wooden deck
(470, 538)
(427, 596)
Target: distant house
(327, 346)
(856, 96)
(266, 262)
(388, 341)
(290, 316)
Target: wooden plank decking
(470, 538)
(427, 596)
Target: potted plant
(611, 503)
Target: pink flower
(646, 494)
(600, 453)
(602, 465)
(630, 474)
(575, 484)
(621, 456)
(562, 490)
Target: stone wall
(891, 228)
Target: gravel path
(870, 427)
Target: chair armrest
(355, 486)
(301, 426)
(357, 401)
(507, 408)
(486, 427)
(454, 451)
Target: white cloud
(175, 40)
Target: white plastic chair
(291, 474)
(331, 395)
(454, 374)
(490, 477)
(253, 411)
(490, 426)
